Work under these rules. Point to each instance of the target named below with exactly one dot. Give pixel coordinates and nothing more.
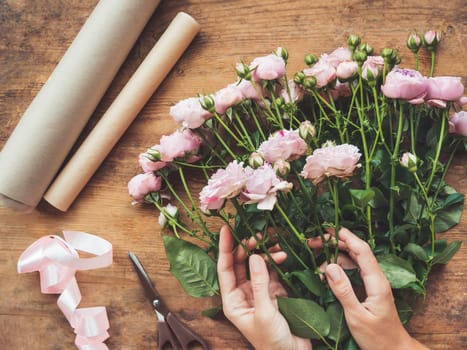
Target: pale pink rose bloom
(323, 71)
(143, 184)
(180, 144)
(223, 184)
(442, 89)
(458, 123)
(268, 67)
(148, 165)
(346, 70)
(262, 186)
(227, 97)
(339, 161)
(294, 93)
(339, 55)
(249, 92)
(284, 144)
(374, 64)
(406, 84)
(189, 113)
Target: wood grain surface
(33, 37)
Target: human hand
(251, 305)
(374, 323)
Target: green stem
(222, 142)
(433, 58)
(335, 196)
(245, 132)
(256, 121)
(416, 60)
(231, 133)
(394, 161)
(300, 236)
(366, 153)
(438, 150)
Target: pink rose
(442, 89)
(227, 97)
(223, 184)
(149, 165)
(189, 113)
(406, 84)
(346, 70)
(268, 67)
(284, 144)
(338, 56)
(323, 71)
(262, 186)
(339, 161)
(141, 185)
(249, 92)
(458, 123)
(180, 144)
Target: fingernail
(255, 263)
(333, 272)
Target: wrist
(410, 343)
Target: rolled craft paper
(122, 112)
(53, 121)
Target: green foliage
(192, 266)
(306, 318)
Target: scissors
(170, 329)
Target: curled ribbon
(57, 261)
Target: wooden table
(34, 36)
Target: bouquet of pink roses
(352, 140)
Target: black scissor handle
(184, 335)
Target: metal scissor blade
(149, 289)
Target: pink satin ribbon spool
(57, 261)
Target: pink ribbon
(57, 261)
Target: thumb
(260, 284)
(342, 288)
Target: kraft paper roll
(53, 121)
(141, 86)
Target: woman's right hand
(374, 323)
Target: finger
(240, 254)
(373, 278)
(225, 263)
(342, 288)
(343, 261)
(260, 285)
(317, 242)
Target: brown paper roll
(50, 126)
(122, 112)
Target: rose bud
(409, 161)
(256, 160)
(282, 168)
(414, 42)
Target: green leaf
(192, 266)
(311, 281)
(447, 253)
(417, 251)
(398, 271)
(306, 318)
(450, 213)
(362, 197)
(339, 330)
